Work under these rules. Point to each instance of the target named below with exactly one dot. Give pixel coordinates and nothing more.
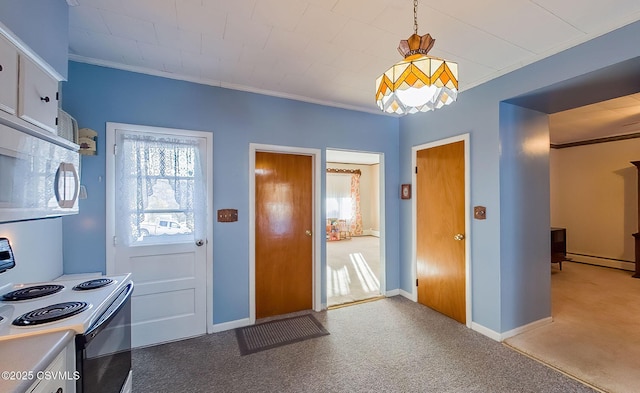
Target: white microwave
(38, 178)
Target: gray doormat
(267, 335)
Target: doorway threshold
(356, 302)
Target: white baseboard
(492, 334)
(370, 232)
(221, 327)
(614, 263)
(393, 292)
(527, 327)
(408, 295)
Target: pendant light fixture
(419, 83)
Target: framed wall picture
(405, 191)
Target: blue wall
(96, 95)
(503, 265)
(525, 245)
(43, 25)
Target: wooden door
(440, 234)
(283, 233)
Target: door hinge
(57, 96)
(115, 150)
(416, 169)
(416, 282)
(56, 121)
(115, 241)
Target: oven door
(103, 353)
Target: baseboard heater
(602, 261)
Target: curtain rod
(345, 171)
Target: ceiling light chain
(420, 82)
(415, 16)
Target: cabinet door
(52, 380)
(8, 77)
(38, 102)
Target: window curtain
(356, 222)
(339, 196)
(159, 176)
(343, 198)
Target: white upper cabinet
(8, 77)
(37, 96)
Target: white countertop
(30, 353)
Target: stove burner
(50, 313)
(93, 284)
(32, 292)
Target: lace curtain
(339, 196)
(160, 190)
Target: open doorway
(354, 226)
(593, 199)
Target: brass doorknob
(307, 232)
(458, 236)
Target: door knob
(458, 236)
(307, 232)
(199, 242)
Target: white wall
(369, 194)
(594, 193)
(37, 249)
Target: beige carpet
(353, 269)
(595, 333)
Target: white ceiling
(619, 116)
(328, 51)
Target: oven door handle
(108, 315)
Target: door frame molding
(316, 181)
(467, 217)
(111, 198)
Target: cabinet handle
(45, 99)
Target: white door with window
(158, 219)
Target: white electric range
(85, 306)
(97, 309)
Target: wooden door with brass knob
(440, 246)
(284, 242)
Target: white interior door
(160, 219)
